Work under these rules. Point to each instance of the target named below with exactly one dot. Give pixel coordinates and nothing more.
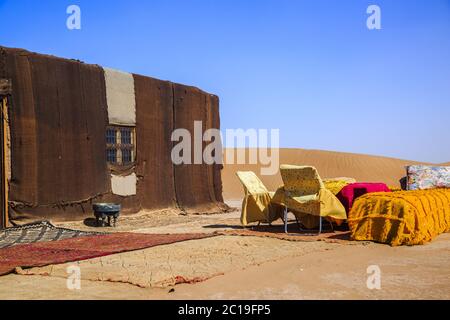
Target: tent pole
(4, 210)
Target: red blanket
(352, 191)
(82, 248)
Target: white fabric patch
(120, 97)
(124, 186)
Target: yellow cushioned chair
(257, 205)
(305, 196)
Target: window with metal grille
(111, 155)
(126, 156)
(120, 145)
(126, 136)
(111, 136)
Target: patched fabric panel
(124, 186)
(120, 96)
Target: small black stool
(106, 211)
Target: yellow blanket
(401, 218)
(257, 205)
(335, 185)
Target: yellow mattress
(401, 218)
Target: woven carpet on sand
(43, 231)
(277, 232)
(82, 248)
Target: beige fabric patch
(124, 186)
(120, 97)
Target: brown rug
(83, 248)
(277, 232)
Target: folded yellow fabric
(335, 185)
(257, 205)
(401, 218)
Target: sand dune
(330, 164)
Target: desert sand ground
(236, 267)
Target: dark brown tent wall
(58, 117)
(195, 188)
(154, 125)
(58, 121)
(215, 170)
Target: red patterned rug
(82, 248)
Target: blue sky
(310, 68)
